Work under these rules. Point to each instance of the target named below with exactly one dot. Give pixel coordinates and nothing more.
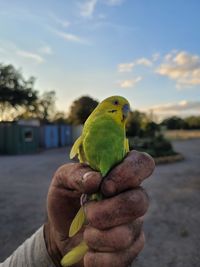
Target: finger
(117, 238)
(118, 259)
(136, 167)
(120, 209)
(77, 177)
(69, 182)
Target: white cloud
(71, 37)
(29, 55)
(182, 67)
(10, 50)
(183, 106)
(62, 22)
(46, 50)
(87, 8)
(128, 67)
(129, 83)
(144, 61)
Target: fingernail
(91, 181)
(88, 175)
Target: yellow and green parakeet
(102, 145)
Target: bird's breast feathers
(103, 144)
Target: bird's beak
(125, 110)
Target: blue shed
(65, 135)
(49, 136)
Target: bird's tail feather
(77, 222)
(75, 255)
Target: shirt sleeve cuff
(32, 253)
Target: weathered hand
(113, 233)
(69, 182)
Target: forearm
(32, 253)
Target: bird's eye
(116, 102)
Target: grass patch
(181, 134)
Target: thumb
(78, 178)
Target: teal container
(2, 138)
(18, 139)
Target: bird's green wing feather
(77, 149)
(77, 222)
(75, 255)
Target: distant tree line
(20, 100)
(176, 123)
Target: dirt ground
(171, 224)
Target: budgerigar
(102, 145)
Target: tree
(193, 122)
(15, 91)
(46, 105)
(42, 109)
(151, 129)
(174, 122)
(81, 109)
(60, 118)
(136, 123)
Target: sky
(146, 51)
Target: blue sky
(147, 51)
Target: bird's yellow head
(117, 107)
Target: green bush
(145, 135)
(156, 146)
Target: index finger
(130, 173)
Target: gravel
(173, 220)
(171, 224)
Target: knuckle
(114, 239)
(91, 237)
(137, 201)
(130, 173)
(121, 209)
(93, 259)
(142, 163)
(148, 163)
(62, 171)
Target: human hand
(114, 233)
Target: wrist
(51, 246)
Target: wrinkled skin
(114, 225)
